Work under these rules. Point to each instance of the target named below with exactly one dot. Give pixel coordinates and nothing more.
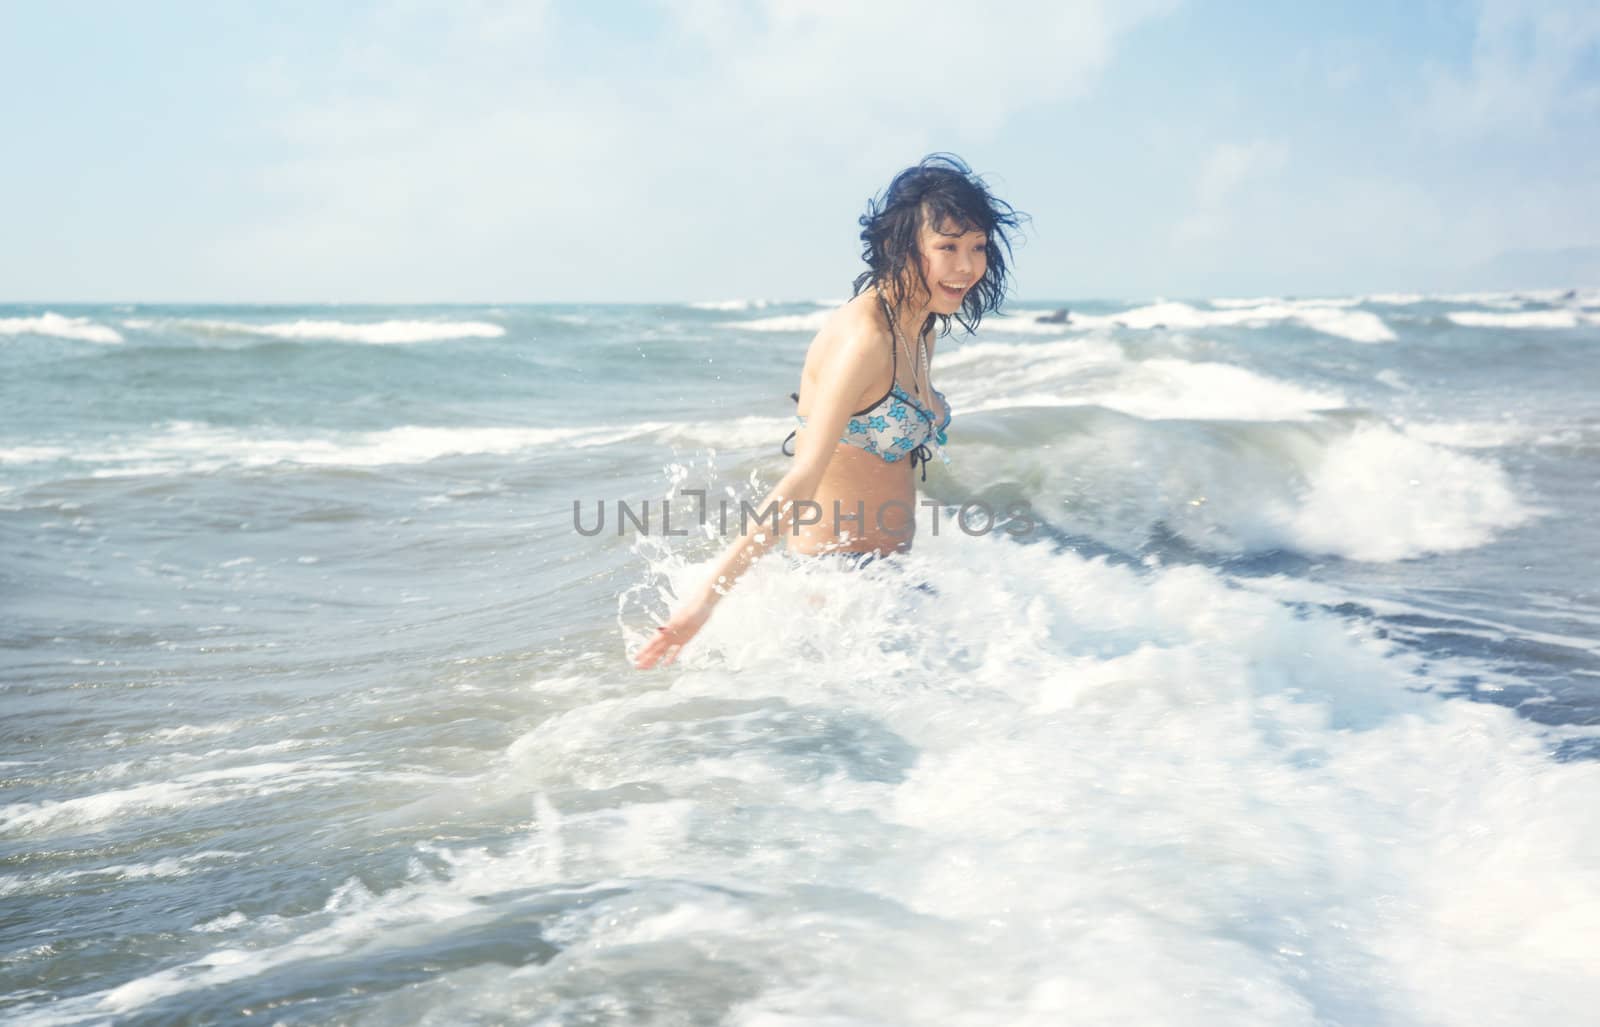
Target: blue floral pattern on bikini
(909, 437)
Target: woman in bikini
(867, 411)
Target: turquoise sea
(315, 708)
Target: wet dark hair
(939, 189)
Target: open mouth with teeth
(952, 291)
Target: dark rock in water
(1570, 294)
(1060, 317)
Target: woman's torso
(876, 483)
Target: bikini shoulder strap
(894, 350)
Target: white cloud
(1527, 70)
(1343, 76)
(1331, 63)
(877, 66)
(443, 155)
(1223, 171)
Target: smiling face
(952, 263)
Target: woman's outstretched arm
(856, 363)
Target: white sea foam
(351, 909)
(1154, 798)
(57, 326)
(1335, 319)
(1356, 488)
(177, 866)
(187, 791)
(1330, 318)
(993, 356)
(185, 446)
(165, 764)
(1395, 299)
(218, 925)
(1279, 301)
(1159, 389)
(735, 304)
(1472, 434)
(758, 304)
(1011, 323)
(1089, 372)
(1378, 494)
(1392, 378)
(32, 454)
(377, 332)
(189, 447)
(1497, 300)
(811, 322)
(189, 732)
(1505, 300)
(732, 433)
(1522, 318)
(1501, 300)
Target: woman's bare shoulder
(855, 327)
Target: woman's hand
(670, 637)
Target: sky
(554, 151)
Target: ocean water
(316, 708)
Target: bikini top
(894, 427)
